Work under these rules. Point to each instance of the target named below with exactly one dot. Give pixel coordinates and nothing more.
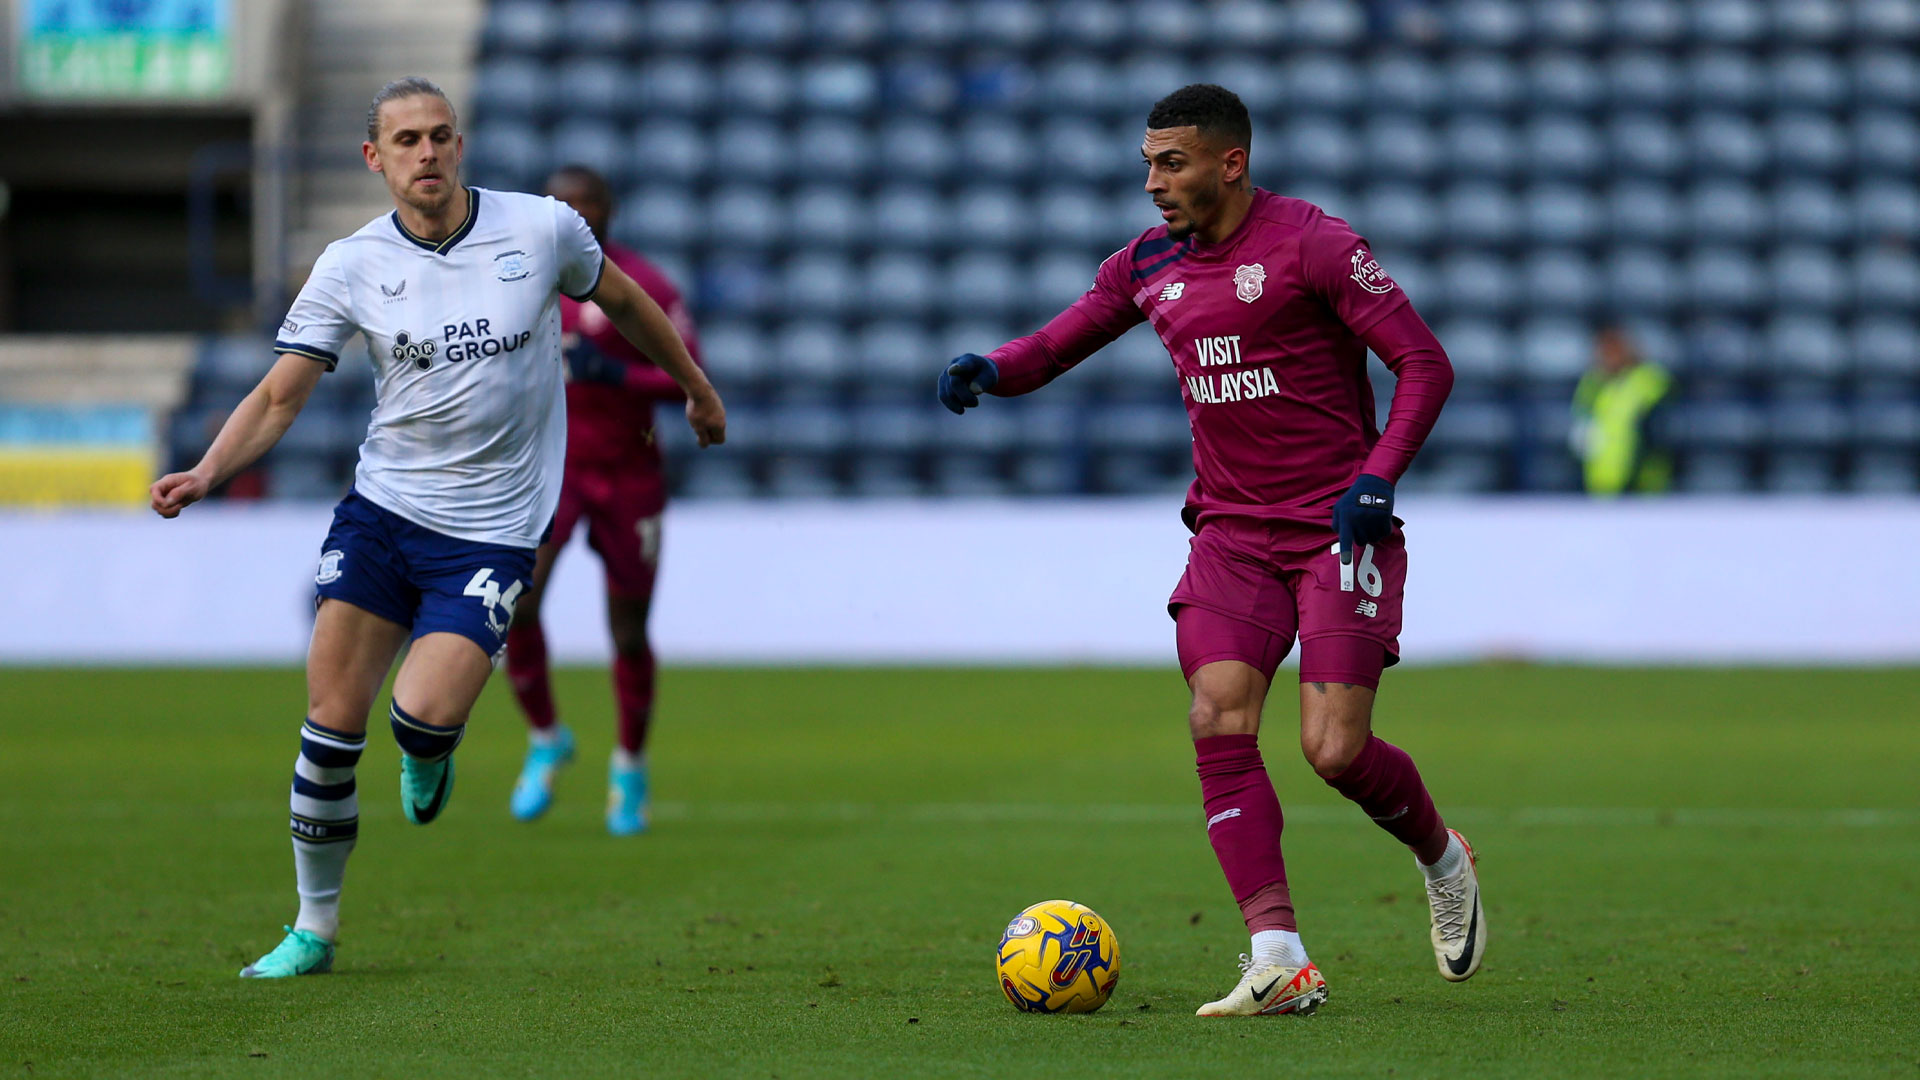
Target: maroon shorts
(1252, 586)
(622, 508)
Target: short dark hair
(585, 176)
(410, 86)
(1217, 111)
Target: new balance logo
(1367, 608)
(1222, 816)
(1173, 290)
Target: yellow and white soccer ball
(1058, 956)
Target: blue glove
(587, 364)
(1364, 515)
(964, 380)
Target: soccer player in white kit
(457, 295)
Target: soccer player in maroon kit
(613, 480)
(1268, 307)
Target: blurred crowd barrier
(81, 417)
(1057, 581)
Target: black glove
(1364, 515)
(587, 364)
(964, 380)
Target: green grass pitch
(1688, 873)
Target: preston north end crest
(1249, 282)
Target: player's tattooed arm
(641, 322)
(254, 427)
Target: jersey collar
(441, 247)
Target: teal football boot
(533, 792)
(302, 952)
(627, 799)
(425, 787)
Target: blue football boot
(301, 952)
(425, 787)
(627, 798)
(533, 792)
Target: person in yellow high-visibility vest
(1616, 412)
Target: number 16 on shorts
(1369, 574)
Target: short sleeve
(1340, 268)
(576, 253)
(321, 319)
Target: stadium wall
(1697, 581)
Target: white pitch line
(1307, 814)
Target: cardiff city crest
(1249, 282)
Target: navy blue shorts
(428, 581)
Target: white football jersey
(469, 428)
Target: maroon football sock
(1243, 824)
(527, 672)
(633, 691)
(1384, 781)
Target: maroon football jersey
(611, 426)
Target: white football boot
(1269, 990)
(1459, 924)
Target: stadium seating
(852, 191)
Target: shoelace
(1247, 964)
(1449, 902)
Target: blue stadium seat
(819, 283)
(1137, 426)
(1146, 77)
(1641, 80)
(600, 26)
(1400, 146)
(1647, 22)
(1713, 473)
(1885, 473)
(734, 350)
(984, 283)
(1472, 424)
(900, 284)
(1561, 214)
(876, 477)
(1645, 143)
(1480, 349)
(1006, 24)
(1886, 20)
(839, 86)
(756, 84)
(1887, 279)
(659, 216)
(1809, 21)
(1414, 275)
(527, 27)
(1732, 22)
(990, 215)
(899, 350)
(1807, 278)
(305, 478)
(732, 285)
(1138, 356)
(891, 428)
(812, 348)
(1562, 146)
(1559, 282)
(1169, 24)
(1265, 89)
(793, 476)
(1081, 85)
(910, 217)
(1073, 216)
(827, 217)
(1799, 473)
(1482, 82)
(1093, 26)
(506, 154)
(971, 336)
(833, 148)
(1568, 22)
(1808, 80)
(596, 87)
(1886, 345)
(918, 150)
(995, 148)
(669, 152)
(1886, 78)
(763, 25)
(1808, 143)
(1477, 283)
(1726, 211)
(1403, 81)
(515, 87)
(675, 85)
(1400, 212)
(1810, 211)
(1722, 346)
(596, 144)
(710, 477)
(1249, 24)
(996, 83)
(1723, 278)
(1884, 422)
(1887, 210)
(745, 218)
(1316, 82)
(1478, 145)
(1327, 23)
(1318, 148)
(683, 25)
(1494, 24)
(1060, 278)
(1723, 79)
(1728, 424)
(1563, 80)
(917, 84)
(1805, 345)
(1046, 473)
(1480, 213)
(1886, 142)
(844, 24)
(1084, 152)
(1643, 212)
(929, 23)
(1725, 143)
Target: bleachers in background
(852, 192)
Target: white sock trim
(1281, 947)
(1449, 863)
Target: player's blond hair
(405, 87)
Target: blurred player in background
(613, 481)
(1268, 307)
(1617, 423)
(457, 294)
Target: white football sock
(1281, 947)
(1449, 862)
(626, 760)
(547, 736)
(325, 821)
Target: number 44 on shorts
(1369, 574)
(488, 590)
